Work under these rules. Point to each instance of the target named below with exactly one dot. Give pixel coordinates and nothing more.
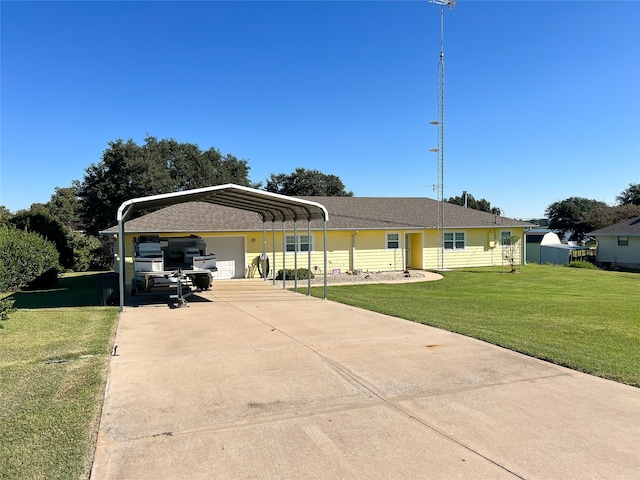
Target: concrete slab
(257, 382)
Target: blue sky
(542, 97)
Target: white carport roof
(269, 206)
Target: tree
(65, 207)
(225, 169)
(303, 182)
(37, 220)
(604, 215)
(5, 215)
(89, 252)
(511, 251)
(128, 170)
(630, 196)
(26, 259)
(571, 216)
(482, 204)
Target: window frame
(295, 241)
(455, 241)
(387, 240)
(503, 237)
(621, 242)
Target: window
(454, 241)
(393, 241)
(505, 238)
(623, 241)
(299, 244)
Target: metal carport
(269, 206)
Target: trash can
(107, 285)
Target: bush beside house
(26, 259)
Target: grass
(54, 349)
(55, 352)
(587, 320)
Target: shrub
(582, 264)
(39, 221)
(89, 253)
(303, 274)
(26, 258)
(102, 255)
(6, 307)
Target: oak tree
(128, 170)
(303, 182)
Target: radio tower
(449, 4)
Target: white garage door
(229, 256)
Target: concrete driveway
(255, 382)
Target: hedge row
(26, 260)
(303, 274)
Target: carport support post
(122, 216)
(121, 264)
(264, 250)
(295, 256)
(309, 258)
(284, 250)
(273, 242)
(324, 235)
(403, 243)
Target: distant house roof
(345, 213)
(630, 227)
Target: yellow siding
(431, 250)
(365, 250)
(482, 248)
(346, 251)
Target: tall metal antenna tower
(449, 4)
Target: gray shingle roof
(629, 227)
(345, 213)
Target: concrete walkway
(256, 382)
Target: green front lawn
(54, 350)
(53, 364)
(587, 320)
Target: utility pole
(449, 4)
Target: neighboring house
(363, 234)
(619, 244)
